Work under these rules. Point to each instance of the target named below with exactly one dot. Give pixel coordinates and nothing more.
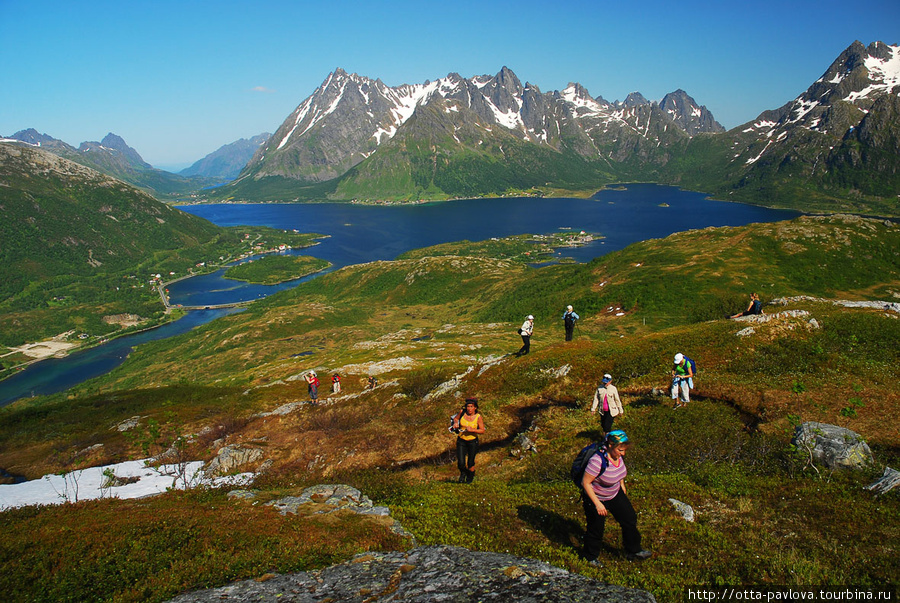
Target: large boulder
(230, 458)
(425, 575)
(833, 446)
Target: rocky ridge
(425, 575)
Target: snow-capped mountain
(837, 143)
(350, 117)
(857, 79)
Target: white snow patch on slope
(85, 484)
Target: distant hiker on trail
(682, 380)
(372, 382)
(755, 307)
(604, 493)
(525, 331)
(469, 423)
(312, 383)
(569, 317)
(335, 384)
(607, 399)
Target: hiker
(604, 493)
(569, 317)
(525, 331)
(372, 382)
(335, 384)
(682, 380)
(607, 399)
(755, 307)
(312, 383)
(469, 423)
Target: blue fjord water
(365, 233)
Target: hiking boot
(640, 555)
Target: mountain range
(833, 148)
(462, 136)
(112, 156)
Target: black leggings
(465, 456)
(526, 345)
(620, 508)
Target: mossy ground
(763, 516)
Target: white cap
(529, 317)
(607, 376)
(569, 308)
(679, 357)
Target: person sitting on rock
(755, 307)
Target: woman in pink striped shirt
(604, 493)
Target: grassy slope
(78, 245)
(762, 516)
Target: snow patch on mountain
(884, 75)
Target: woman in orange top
(470, 424)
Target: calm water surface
(360, 233)
(365, 233)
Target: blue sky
(177, 80)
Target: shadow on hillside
(524, 417)
(556, 528)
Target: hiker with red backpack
(312, 386)
(682, 379)
(604, 493)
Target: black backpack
(584, 457)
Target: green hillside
(78, 246)
(449, 314)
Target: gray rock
(833, 446)
(243, 494)
(230, 458)
(523, 444)
(127, 424)
(558, 373)
(684, 509)
(426, 575)
(889, 480)
(335, 496)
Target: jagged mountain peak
(32, 136)
(685, 111)
(635, 99)
(349, 117)
(839, 100)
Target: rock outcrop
(230, 458)
(833, 446)
(425, 575)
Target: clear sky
(179, 79)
